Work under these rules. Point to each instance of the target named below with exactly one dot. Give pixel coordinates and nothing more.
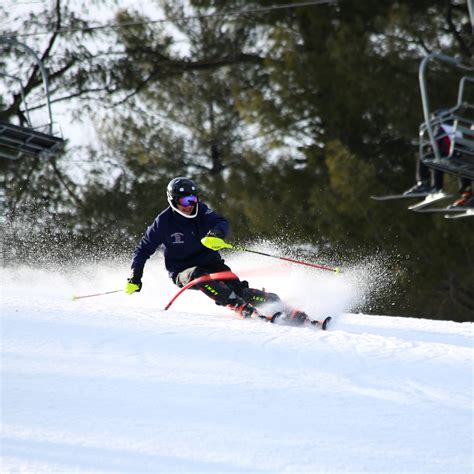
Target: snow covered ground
(114, 383)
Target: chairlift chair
(18, 140)
(459, 161)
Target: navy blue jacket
(180, 237)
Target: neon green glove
(134, 284)
(214, 243)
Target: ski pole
(287, 259)
(74, 298)
(215, 243)
(227, 275)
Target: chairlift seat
(16, 141)
(457, 166)
(459, 161)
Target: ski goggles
(186, 201)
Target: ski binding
(314, 322)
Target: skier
(181, 230)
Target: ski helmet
(181, 187)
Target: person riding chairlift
(430, 180)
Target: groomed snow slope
(113, 383)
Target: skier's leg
(465, 190)
(423, 180)
(215, 289)
(464, 185)
(422, 172)
(437, 180)
(259, 297)
(275, 306)
(220, 291)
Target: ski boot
(297, 318)
(420, 189)
(465, 201)
(246, 310)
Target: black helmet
(179, 187)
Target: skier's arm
(143, 251)
(218, 230)
(218, 225)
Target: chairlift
(460, 159)
(457, 125)
(18, 140)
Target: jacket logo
(177, 238)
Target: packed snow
(114, 383)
